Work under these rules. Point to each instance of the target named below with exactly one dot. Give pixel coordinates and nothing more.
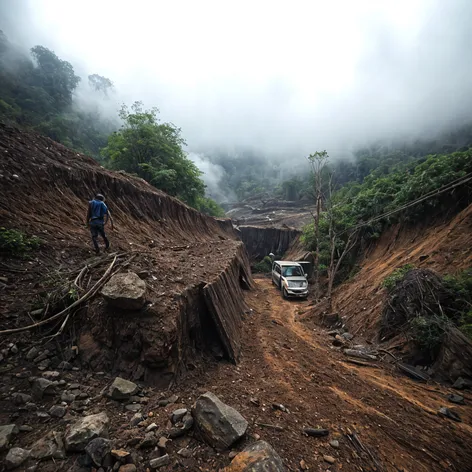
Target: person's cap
(99, 196)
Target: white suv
(290, 278)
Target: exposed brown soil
(444, 247)
(44, 192)
(285, 362)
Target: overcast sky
(285, 77)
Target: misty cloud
(283, 78)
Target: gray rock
(6, 434)
(122, 389)
(50, 446)
(67, 397)
(258, 457)
(41, 357)
(25, 428)
(133, 407)
(151, 427)
(184, 452)
(177, 415)
(84, 430)
(159, 462)
(43, 365)
(347, 336)
(14, 349)
(42, 387)
(453, 398)
(149, 441)
(462, 383)
(334, 443)
(127, 468)
(21, 398)
(15, 457)
(125, 291)
(51, 375)
(32, 353)
(136, 419)
(57, 411)
(97, 449)
(64, 365)
(220, 424)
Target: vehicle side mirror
(306, 275)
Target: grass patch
(396, 276)
(16, 243)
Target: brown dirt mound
(44, 192)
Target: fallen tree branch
(82, 299)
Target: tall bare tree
(318, 161)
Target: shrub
(428, 331)
(264, 266)
(16, 243)
(396, 276)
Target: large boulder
(220, 424)
(258, 457)
(122, 389)
(50, 446)
(84, 430)
(6, 434)
(125, 291)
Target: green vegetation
(39, 92)
(461, 286)
(153, 151)
(428, 331)
(396, 276)
(264, 266)
(16, 243)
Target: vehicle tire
(284, 294)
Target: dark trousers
(98, 230)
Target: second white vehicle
(290, 278)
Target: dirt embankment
(185, 257)
(445, 248)
(261, 241)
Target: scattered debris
(453, 398)
(360, 354)
(447, 413)
(316, 433)
(329, 459)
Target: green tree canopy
(153, 150)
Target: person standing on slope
(97, 217)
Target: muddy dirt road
(288, 363)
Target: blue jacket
(97, 212)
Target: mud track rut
(286, 362)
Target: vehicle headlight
(291, 284)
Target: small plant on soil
(16, 243)
(396, 276)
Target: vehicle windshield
(292, 271)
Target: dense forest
(39, 91)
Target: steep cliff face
(195, 265)
(261, 241)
